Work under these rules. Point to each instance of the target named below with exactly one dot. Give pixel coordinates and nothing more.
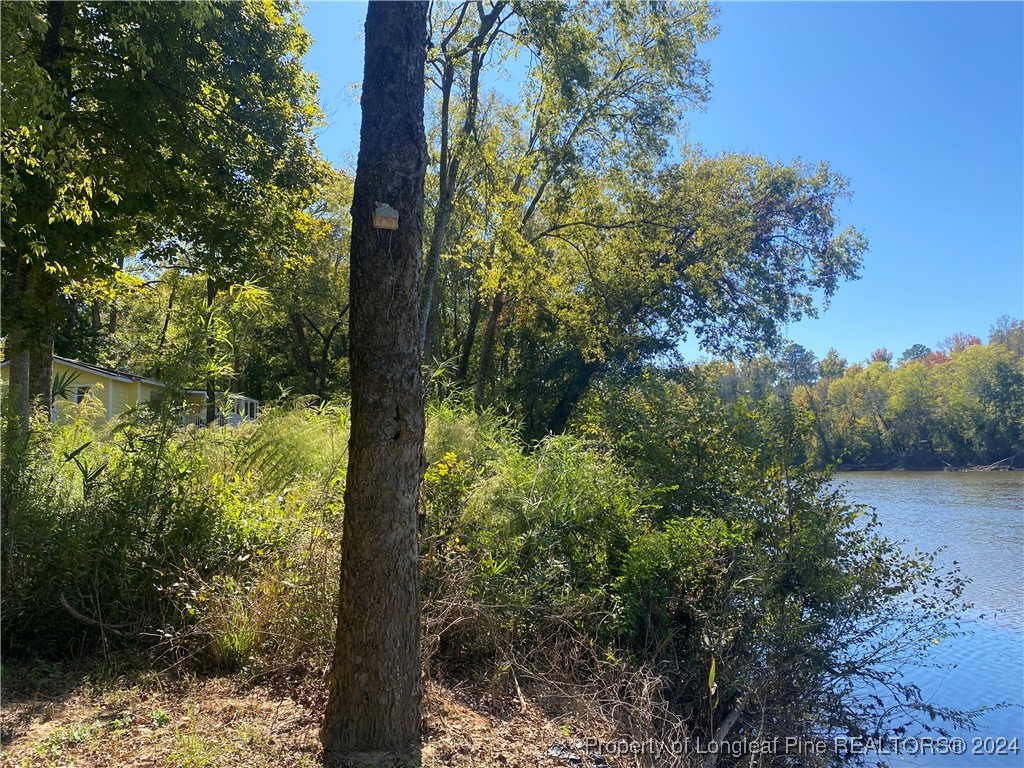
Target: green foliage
(561, 516)
(569, 243)
(674, 577)
(1008, 333)
(133, 122)
(286, 332)
(520, 553)
(675, 536)
(915, 352)
(125, 525)
(179, 131)
(691, 467)
(673, 549)
(555, 563)
(452, 427)
(959, 407)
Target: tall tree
(958, 342)
(375, 689)
(798, 364)
(606, 84)
(726, 249)
(915, 352)
(831, 366)
(129, 124)
(1009, 332)
(881, 355)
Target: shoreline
(852, 468)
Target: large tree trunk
(301, 347)
(375, 687)
(18, 388)
(38, 304)
(572, 393)
(38, 297)
(445, 204)
(16, 348)
(40, 374)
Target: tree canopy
(954, 408)
(570, 237)
(162, 128)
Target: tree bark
(449, 162)
(445, 204)
(301, 346)
(37, 292)
(486, 350)
(325, 356)
(18, 388)
(571, 395)
(163, 331)
(112, 322)
(375, 694)
(41, 369)
(40, 302)
(467, 342)
(211, 350)
(17, 348)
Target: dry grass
(97, 717)
(74, 719)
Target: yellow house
(118, 391)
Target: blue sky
(920, 105)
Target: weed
(160, 717)
(191, 748)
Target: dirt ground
(56, 716)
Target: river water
(978, 518)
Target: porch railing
(242, 409)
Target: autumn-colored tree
(881, 355)
(957, 343)
(959, 408)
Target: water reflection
(978, 518)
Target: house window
(81, 392)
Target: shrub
(540, 539)
(769, 603)
(138, 528)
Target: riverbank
(637, 574)
(999, 466)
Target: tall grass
(139, 529)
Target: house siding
(149, 391)
(122, 397)
(113, 394)
(98, 384)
